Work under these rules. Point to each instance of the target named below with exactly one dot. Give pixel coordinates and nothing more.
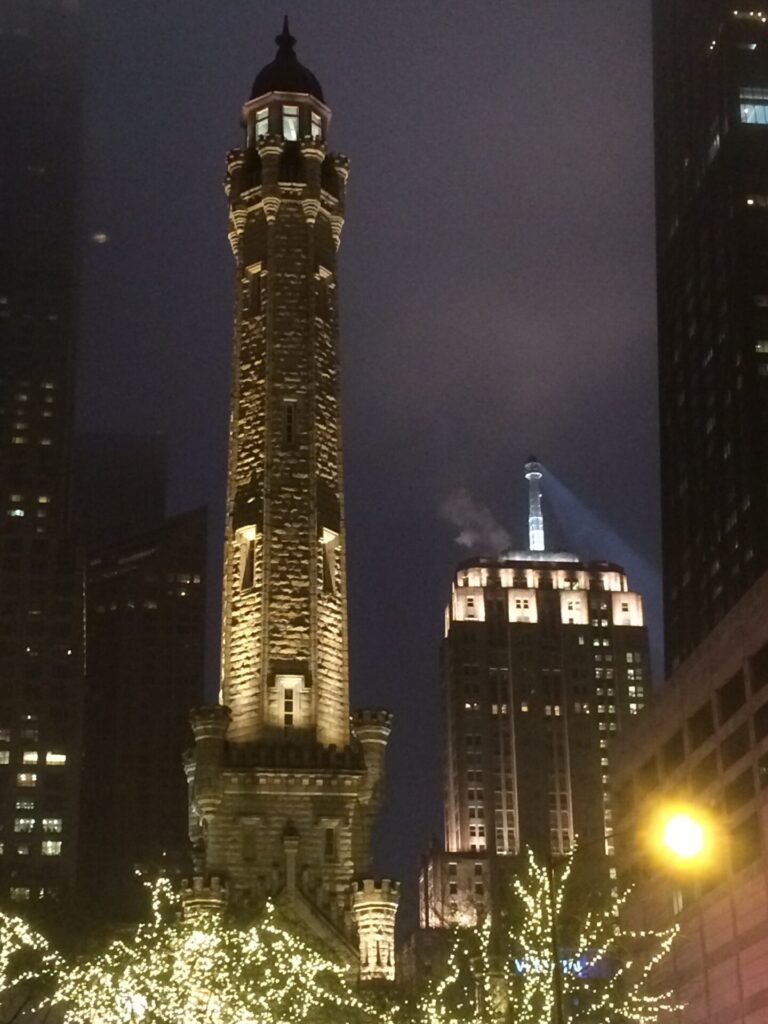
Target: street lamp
(684, 836)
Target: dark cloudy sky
(496, 286)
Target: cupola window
(317, 126)
(262, 123)
(290, 123)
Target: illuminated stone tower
(283, 791)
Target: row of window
(29, 824)
(48, 848)
(289, 119)
(32, 756)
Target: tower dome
(285, 73)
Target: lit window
(290, 123)
(51, 758)
(524, 706)
(23, 824)
(26, 780)
(317, 126)
(753, 105)
(761, 347)
(5, 757)
(29, 757)
(19, 894)
(51, 847)
(288, 707)
(25, 805)
(262, 123)
(52, 824)
(43, 499)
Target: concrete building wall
(704, 741)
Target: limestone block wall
(285, 582)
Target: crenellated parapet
(372, 729)
(374, 907)
(201, 896)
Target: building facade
(544, 662)
(711, 132)
(283, 789)
(144, 625)
(40, 591)
(704, 742)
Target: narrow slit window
(317, 125)
(288, 707)
(330, 843)
(254, 292)
(247, 559)
(289, 423)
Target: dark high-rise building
(544, 661)
(145, 606)
(711, 116)
(40, 605)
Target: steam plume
(477, 526)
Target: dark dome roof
(285, 74)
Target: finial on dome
(285, 40)
(285, 73)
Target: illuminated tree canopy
(605, 972)
(202, 969)
(173, 970)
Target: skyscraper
(283, 790)
(145, 610)
(40, 608)
(711, 122)
(545, 659)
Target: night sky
(496, 291)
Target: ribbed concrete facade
(283, 792)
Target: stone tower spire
(284, 649)
(283, 791)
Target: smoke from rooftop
(476, 523)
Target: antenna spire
(533, 475)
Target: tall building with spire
(711, 141)
(544, 660)
(284, 788)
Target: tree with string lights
(203, 969)
(522, 974)
(177, 969)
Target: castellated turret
(375, 907)
(284, 786)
